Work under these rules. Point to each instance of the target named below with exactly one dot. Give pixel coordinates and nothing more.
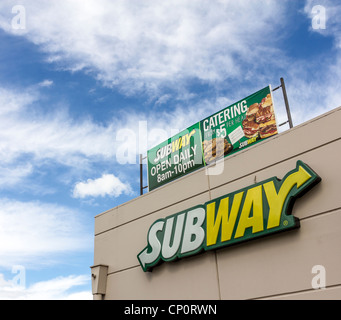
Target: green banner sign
(224, 133)
(252, 212)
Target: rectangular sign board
(234, 128)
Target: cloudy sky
(86, 85)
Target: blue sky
(85, 86)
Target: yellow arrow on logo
(276, 200)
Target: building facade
(304, 263)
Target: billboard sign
(234, 128)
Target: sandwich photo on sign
(260, 119)
(216, 149)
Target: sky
(88, 85)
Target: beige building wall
(275, 267)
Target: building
(290, 265)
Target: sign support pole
(285, 96)
(141, 175)
(286, 103)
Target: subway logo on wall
(256, 211)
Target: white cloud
(54, 289)
(142, 46)
(107, 185)
(53, 136)
(32, 141)
(12, 175)
(46, 83)
(32, 230)
(12, 101)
